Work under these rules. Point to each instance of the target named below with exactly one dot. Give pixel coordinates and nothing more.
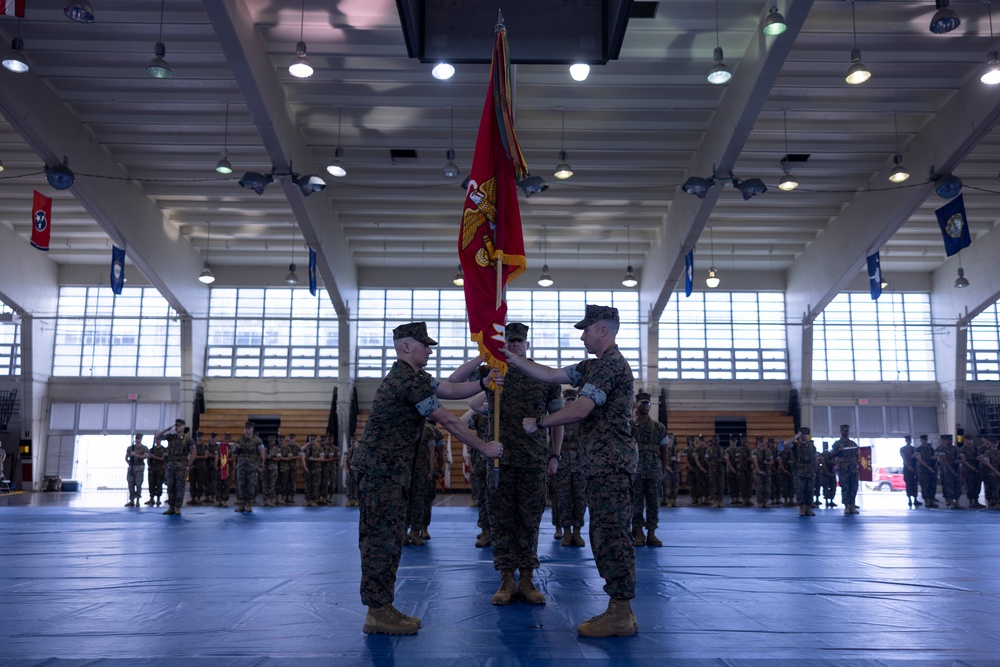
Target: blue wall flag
(688, 272)
(312, 271)
(874, 276)
(954, 226)
(117, 269)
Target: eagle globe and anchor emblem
(953, 227)
(484, 197)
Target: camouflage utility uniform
(571, 489)
(179, 448)
(651, 439)
(247, 450)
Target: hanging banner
(874, 276)
(117, 269)
(41, 219)
(954, 226)
(312, 271)
(688, 272)
(12, 8)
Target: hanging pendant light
(15, 61)
(991, 75)
(788, 182)
(337, 168)
(292, 278)
(545, 280)
(774, 24)
(857, 72)
(719, 73)
(899, 173)
(450, 169)
(713, 277)
(223, 166)
(300, 67)
(563, 170)
(459, 279)
(206, 275)
(579, 71)
(158, 67)
(629, 280)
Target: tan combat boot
(400, 615)
(526, 588)
(617, 621)
(802, 510)
(652, 540)
(505, 594)
(484, 539)
(558, 535)
(809, 511)
(577, 540)
(415, 538)
(567, 538)
(640, 539)
(384, 621)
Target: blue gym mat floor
(82, 584)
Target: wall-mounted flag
(117, 269)
(688, 272)
(874, 276)
(41, 220)
(312, 271)
(954, 225)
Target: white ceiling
(634, 131)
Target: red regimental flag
(865, 464)
(41, 219)
(224, 460)
(491, 222)
(12, 8)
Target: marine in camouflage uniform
(651, 440)
(804, 463)
(517, 503)
(313, 455)
(271, 455)
(477, 422)
(199, 472)
(604, 410)
(438, 463)
(968, 461)
(951, 477)
(672, 473)
(225, 466)
(179, 456)
(420, 479)
(906, 453)
(828, 475)
(927, 471)
(330, 467)
(736, 463)
(212, 480)
(762, 461)
(382, 467)
(249, 452)
(352, 488)
(292, 452)
(156, 472)
(701, 471)
(989, 465)
(845, 454)
(715, 463)
(285, 460)
(570, 482)
(135, 457)
(786, 474)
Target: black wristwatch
(538, 423)
(557, 457)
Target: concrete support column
(950, 367)
(346, 376)
(37, 342)
(194, 349)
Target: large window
(10, 342)
(724, 336)
(550, 315)
(280, 333)
(983, 350)
(889, 340)
(98, 334)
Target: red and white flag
(490, 234)
(12, 8)
(41, 221)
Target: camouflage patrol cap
(595, 313)
(516, 331)
(805, 430)
(642, 397)
(248, 424)
(946, 437)
(843, 426)
(415, 330)
(922, 437)
(570, 393)
(180, 421)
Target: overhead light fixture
(443, 71)
(336, 168)
(750, 188)
(563, 170)
(774, 23)
(79, 11)
(60, 176)
(857, 72)
(698, 186)
(899, 173)
(292, 278)
(713, 277)
(256, 181)
(545, 280)
(223, 166)
(885, 281)
(961, 282)
(788, 182)
(1, 166)
(300, 67)
(991, 75)
(719, 73)
(206, 276)
(579, 71)
(532, 185)
(450, 169)
(459, 279)
(945, 19)
(947, 186)
(158, 67)
(15, 61)
(629, 280)
(308, 183)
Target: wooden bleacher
(683, 423)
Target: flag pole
(495, 477)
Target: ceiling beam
(721, 146)
(826, 266)
(285, 144)
(115, 202)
